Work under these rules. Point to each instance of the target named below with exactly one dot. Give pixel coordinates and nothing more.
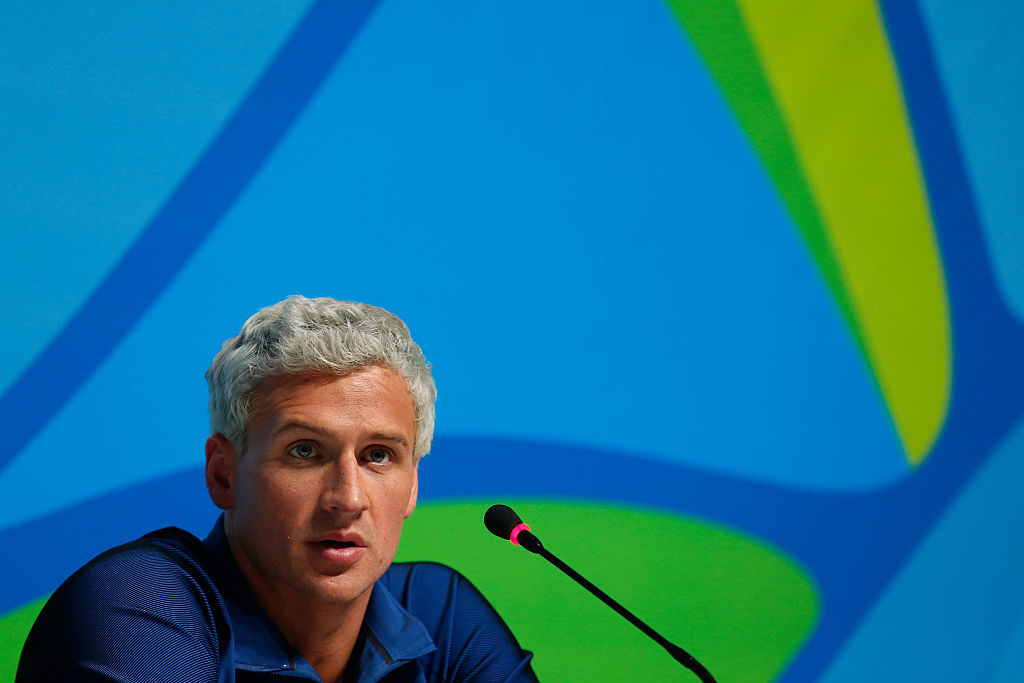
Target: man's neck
(325, 633)
(326, 637)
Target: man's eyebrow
(388, 436)
(299, 424)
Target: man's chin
(340, 589)
(343, 600)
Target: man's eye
(303, 450)
(378, 455)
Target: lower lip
(339, 556)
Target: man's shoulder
(410, 582)
(436, 593)
(432, 572)
(171, 544)
(472, 640)
(152, 573)
(156, 561)
(155, 593)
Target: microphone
(503, 522)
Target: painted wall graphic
(725, 296)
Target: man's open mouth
(338, 544)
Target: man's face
(314, 508)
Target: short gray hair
(315, 336)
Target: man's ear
(220, 471)
(415, 491)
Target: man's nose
(343, 488)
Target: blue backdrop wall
(726, 296)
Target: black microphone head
(500, 520)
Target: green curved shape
(738, 606)
(814, 86)
(14, 628)
(741, 608)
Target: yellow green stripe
(815, 87)
(717, 29)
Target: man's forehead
(291, 382)
(274, 399)
(286, 383)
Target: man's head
(300, 336)
(320, 411)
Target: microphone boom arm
(533, 544)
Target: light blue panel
(978, 50)
(950, 614)
(596, 255)
(563, 209)
(1011, 668)
(104, 107)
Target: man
(320, 411)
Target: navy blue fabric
(171, 608)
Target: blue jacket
(171, 608)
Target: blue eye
(378, 455)
(303, 450)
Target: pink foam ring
(514, 536)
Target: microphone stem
(678, 653)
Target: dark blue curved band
(184, 221)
